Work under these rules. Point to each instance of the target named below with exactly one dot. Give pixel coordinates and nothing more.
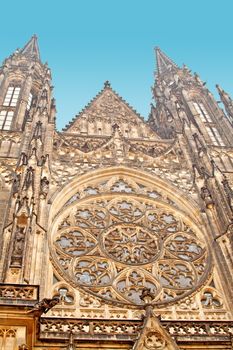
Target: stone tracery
(130, 244)
(113, 244)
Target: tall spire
(31, 49)
(164, 63)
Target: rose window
(114, 245)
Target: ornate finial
(107, 84)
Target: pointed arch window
(214, 136)
(201, 110)
(6, 119)
(8, 107)
(12, 96)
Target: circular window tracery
(75, 242)
(131, 244)
(114, 245)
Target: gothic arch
(116, 231)
(186, 204)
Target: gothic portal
(116, 233)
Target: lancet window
(6, 119)
(202, 112)
(212, 131)
(214, 136)
(29, 101)
(9, 104)
(12, 96)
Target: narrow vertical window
(29, 101)
(218, 137)
(201, 110)
(6, 119)
(12, 96)
(215, 136)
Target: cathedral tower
(116, 233)
(27, 125)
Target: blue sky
(87, 42)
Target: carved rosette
(115, 244)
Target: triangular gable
(104, 112)
(153, 335)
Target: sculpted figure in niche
(44, 187)
(18, 247)
(29, 178)
(117, 141)
(19, 241)
(206, 196)
(16, 184)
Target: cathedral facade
(116, 233)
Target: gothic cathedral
(116, 233)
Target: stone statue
(18, 246)
(18, 241)
(207, 198)
(16, 184)
(44, 187)
(29, 178)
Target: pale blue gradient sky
(87, 42)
